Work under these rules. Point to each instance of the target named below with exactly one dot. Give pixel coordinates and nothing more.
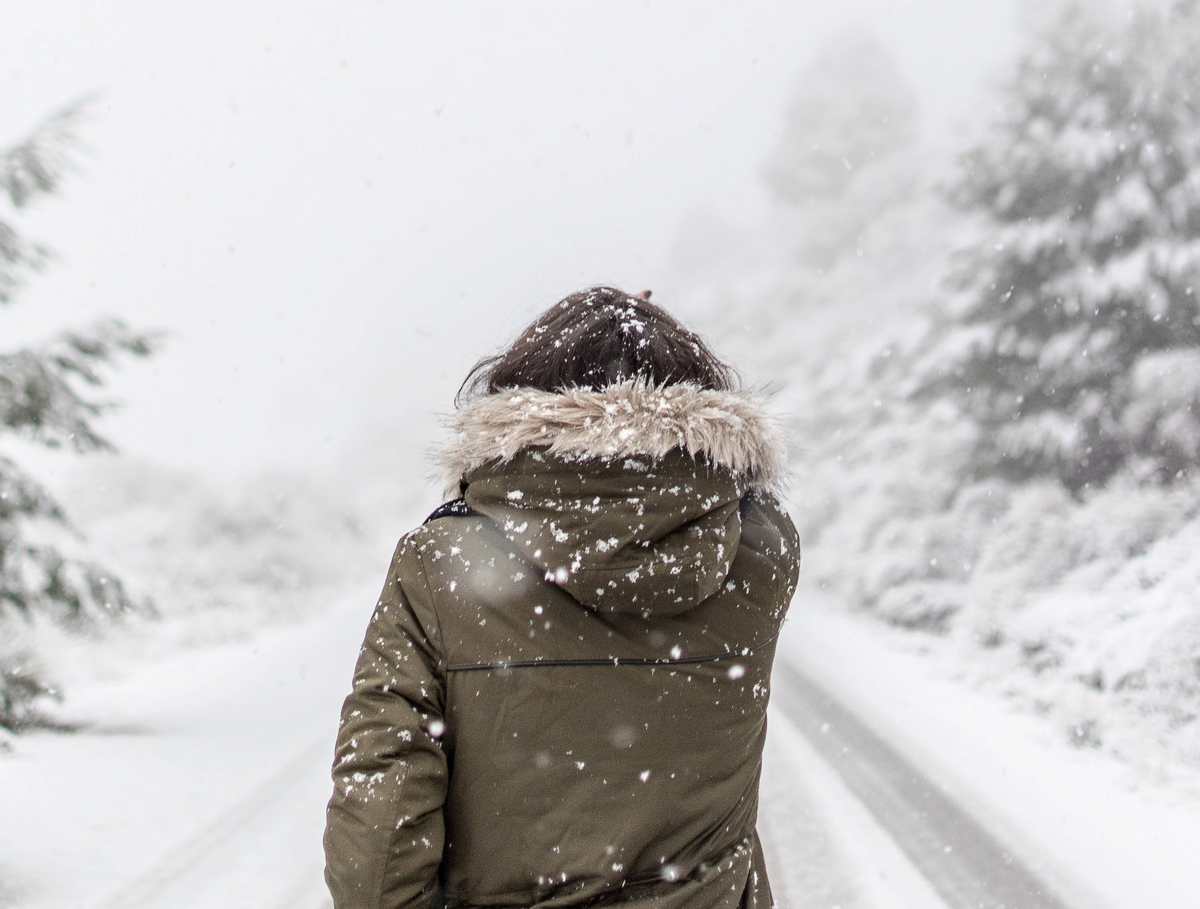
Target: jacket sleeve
(384, 829)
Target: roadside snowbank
(219, 563)
(1104, 832)
(200, 779)
(1082, 610)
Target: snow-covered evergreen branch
(33, 167)
(42, 400)
(37, 398)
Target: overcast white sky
(336, 208)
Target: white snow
(824, 849)
(1103, 832)
(202, 781)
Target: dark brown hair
(597, 337)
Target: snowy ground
(203, 782)
(1101, 832)
(204, 779)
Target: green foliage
(1075, 325)
(42, 399)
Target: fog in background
(334, 210)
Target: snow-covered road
(247, 856)
(204, 783)
(966, 866)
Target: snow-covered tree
(850, 107)
(1076, 329)
(43, 400)
(835, 165)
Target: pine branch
(78, 353)
(37, 399)
(16, 255)
(21, 496)
(25, 694)
(34, 167)
(73, 592)
(37, 165)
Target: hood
(628, 497)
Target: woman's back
(583, 644)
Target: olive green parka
(561, 698)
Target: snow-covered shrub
(222, 563)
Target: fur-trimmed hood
(628, 498)
(626, 419)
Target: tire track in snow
(966, 865)
(200, 860)
(823, 847)
(807, 870)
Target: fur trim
(628, 418)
